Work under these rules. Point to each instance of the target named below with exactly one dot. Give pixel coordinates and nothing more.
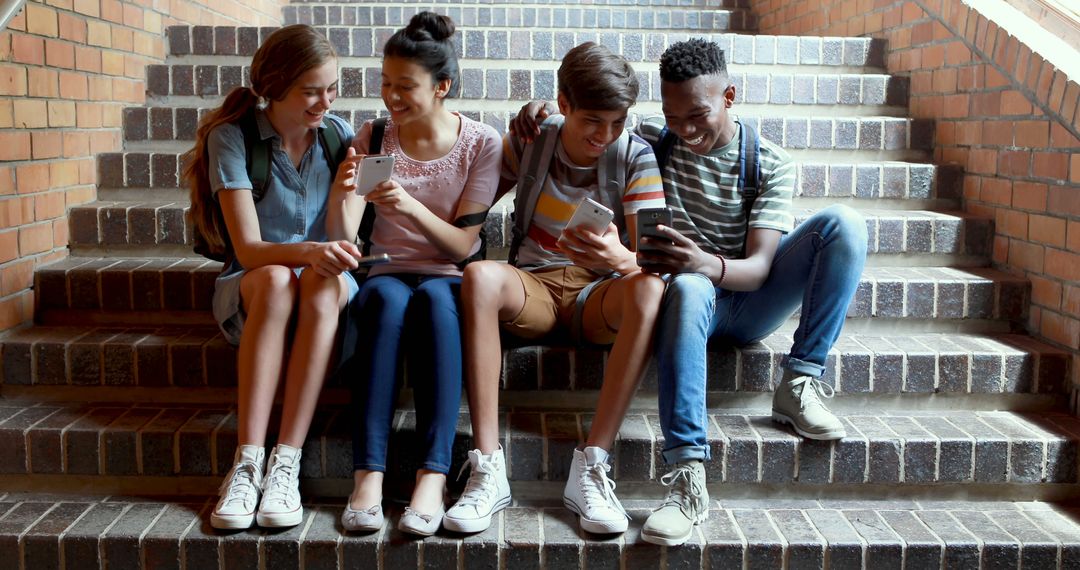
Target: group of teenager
(731, 265)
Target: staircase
(117, 417)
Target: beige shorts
(550, 300)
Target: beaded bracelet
(723, 269)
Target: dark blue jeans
(817, 265)
(414, 315)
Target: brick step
(188, 357)
(521, 81)
(517, 41)
(837, 178)
(172, 130)
(80, 290)
(40, 531)
(622, 18)
(891, 232)
(747, 447)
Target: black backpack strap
(257, 152)
(749, 172)
(367, 222)
(333, 147)
(663, 146)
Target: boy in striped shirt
(735, 272)
(562, 280)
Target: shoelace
(279, 480)
(239, 482)
(477, 489)
(679, 480)
(812, 388)
(598, 488)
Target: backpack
(367, 222)
(258, 153)
(749, 165)
(535, 161)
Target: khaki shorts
(550, 300)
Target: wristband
(723, 269)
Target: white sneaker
(591, 494)
(240, 490)
(486, 493)
(280, 506)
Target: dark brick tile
(41, 549)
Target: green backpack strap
(749, 172)
(532, 172)
(367, 222)
(257, 151)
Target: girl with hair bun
(428, 219)
(288, 248)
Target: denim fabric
(817, 265)
(415, 316)
(293, 207)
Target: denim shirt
(293, 207)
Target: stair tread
(765, 534)
(909, 447)
(859, 363)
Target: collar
(266, 128)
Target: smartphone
(648, 219)
(374, 170)
(591, 215)
(369, 260)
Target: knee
(689, 289)
(318, 294)
(849, 226)
(437, 294)
(481, 282)
(645, 292)
(270, 288)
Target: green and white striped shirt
(702, 191)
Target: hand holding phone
(591, 215)
(374, 170)
(647, 221)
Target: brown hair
(283, 57)
(593, 77)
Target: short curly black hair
(691, 58)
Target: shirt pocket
(272, 204)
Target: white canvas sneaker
(280, 506)
(486, 493)
(240, 490)
(591, 494)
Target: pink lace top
(470, 171)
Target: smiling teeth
(695, 142)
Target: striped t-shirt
(702, 191)
(567, 185)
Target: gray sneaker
(686, 505)
(798, 402)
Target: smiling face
(587, 133)
(409, 91)
(307, 100)
(697, 111)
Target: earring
(261, 103)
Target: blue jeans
(418, 315)
(817, 265)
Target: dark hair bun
(431, 25)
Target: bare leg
(320, 304)
(490, 292)
(632, 306)
(367, 489)
(428, 494)
(268, 294)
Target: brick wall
(1009, 117)
(67, 70)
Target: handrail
(8, 10)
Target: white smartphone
(591, 215)
(374, 170)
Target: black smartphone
(648, 219)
